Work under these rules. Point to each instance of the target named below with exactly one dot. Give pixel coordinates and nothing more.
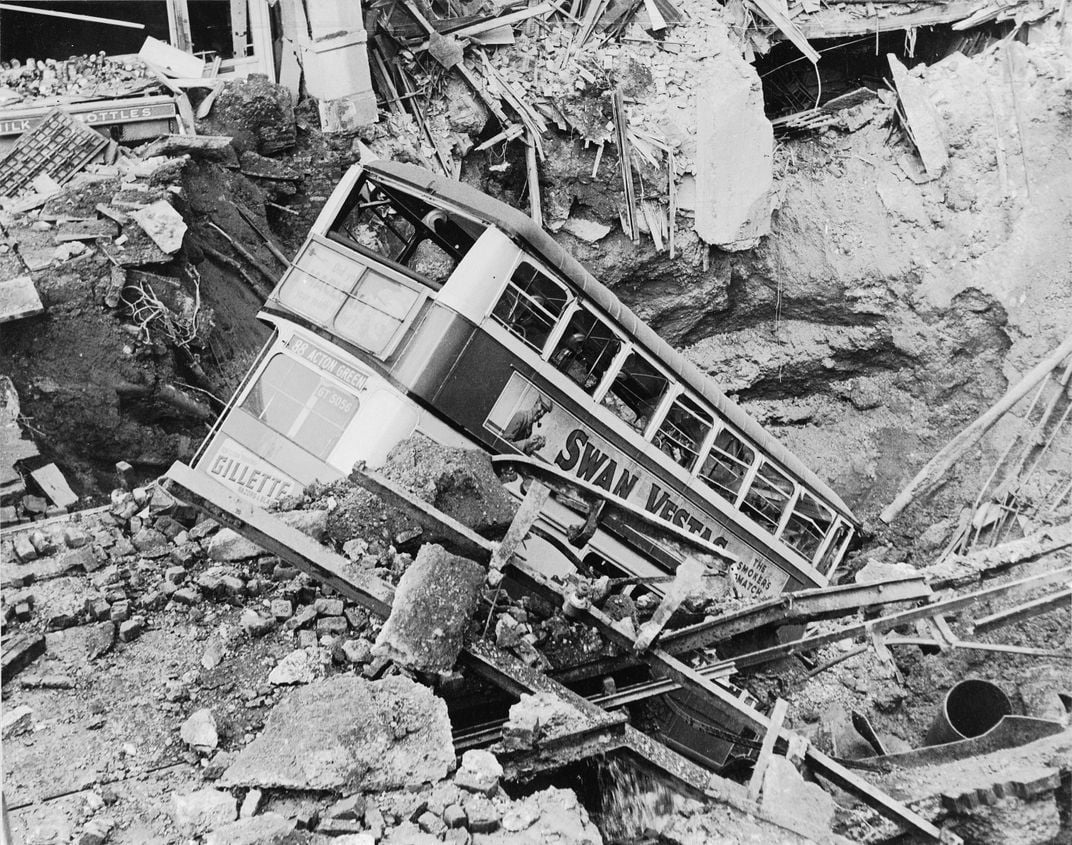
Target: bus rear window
(405, 230)
(727, 464)
(531, 305)
(767, 497)
(586, 350)
(682, 432)
(300, 404)
(807, 525)
(350, 299)
(636, 391)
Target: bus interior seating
(683, 431)
(586, 350)
(636, 392)
(427, 241)
(531, 305)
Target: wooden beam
(777, 16)
(766, 751)
(928, 477)
(625, 162)
(1027, 610)
(524, 519)
(51, 13)
(887, 623)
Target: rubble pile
(97, 585)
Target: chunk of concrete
(434, 602)
(734, 156)
(19, 299)
(199, 812)
(538, 716)
(161, 222)
(298, 667)
(199, 731)
(346, 734)
(802, 805)
(268, 829)
(479, 772)
(17, 720)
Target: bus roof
(522, 227)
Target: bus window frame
(801, 491)
(554, 335)
(354, 198)
(659, 417)
(839, 554)
(749, 474)
(406, 281)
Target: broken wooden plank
(672, 197)
(85, 230)
(494, 23)
(887, 623)
(51, 481)
(803, 606)
(53, 13)
(171, 60)
(928, 477)
(19, 299)
(532, 173)
(921, 118)
(687, 580)
(625, 163)
(19, 652)
(524, 519)
(777, 717)
(1028, 610)
(773, 12)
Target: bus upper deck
(420, 304)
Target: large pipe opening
(970, 709)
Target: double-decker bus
(419, 304)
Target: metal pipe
(970, 709)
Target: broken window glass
(727, 464)
(531, 305)
(767, 497)
(682, 432)
(636, 391)
(586, 349)
(427, 241)
(833, 551)
(807, 525)
(302, 405)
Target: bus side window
(682, 432)
(807, 525)
(636, 392)
(727, 464)
(531, 305)
(586, 350)
(767, 497)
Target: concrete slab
(347, 734)
(19, 299)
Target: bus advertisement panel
(530, 420)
